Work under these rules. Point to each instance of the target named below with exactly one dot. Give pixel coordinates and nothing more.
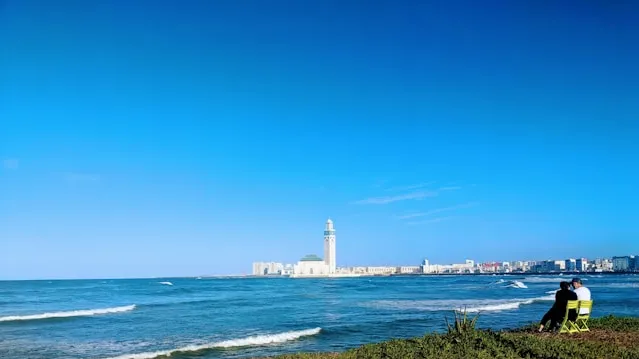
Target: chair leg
(583, 325)
(566, 327)
(574, 328)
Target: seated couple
(556, 314)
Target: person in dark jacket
(558, 310)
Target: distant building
(381, 270)
(408, 270)
(329, 246)
(570, 265)
(267, 268)
(456, 268)
(621, 264)
(489, 267)
(311, 265)
(601, 265)
(581, 264)
(425, 266)
(288, 270)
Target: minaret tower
(329, 246)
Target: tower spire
(329, 246)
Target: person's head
(576, 283)
(564, 285)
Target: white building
(329, 246)
(381, 270)
(309, 266)
(312, 265)
(267, 268)
(408, 269)
(288, 270)
(467, 267)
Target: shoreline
(568, 275)
(247, 276)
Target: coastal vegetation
(610, 337)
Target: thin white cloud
(432, 220)
(401, 197)
(415, 195)
(438, 210)
(411, 187)
(10, 163)
(81, 177)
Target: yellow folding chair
(567, 325)
(582, 319)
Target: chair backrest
(572, 304)
(585, 304)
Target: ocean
(249, 317)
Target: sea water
(248, 317)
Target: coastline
(251, 276)
(568, 275)
(609, 337)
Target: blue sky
(156, 138)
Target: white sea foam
(544, 279)
(552, 291)
(470, 305)
(517, 284)
(71, 313)
(616, 285)
(243, 342)
(166, 283)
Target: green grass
(617, 324)
(464, 341)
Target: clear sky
(155, 138)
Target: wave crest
(470, 305)
(544, 279)
(67, 314)
(517, 284)
(233, 343)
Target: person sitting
(558, 310)
(583, 293)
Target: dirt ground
(625, 339)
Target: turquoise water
(246, 317)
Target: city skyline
(616, 264)
(176, 139)
(576, 264)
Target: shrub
(618, 324)
(464, 341)
(462, 325)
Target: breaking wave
(517, 284)
(509, 284)
(166, 283)
(470, 305)
(545, 279)
(233, 343)
(67, 314)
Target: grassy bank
(610, 337)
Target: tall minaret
(329, 246)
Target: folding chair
(582, 319)
(567, 325)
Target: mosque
(314, 266)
